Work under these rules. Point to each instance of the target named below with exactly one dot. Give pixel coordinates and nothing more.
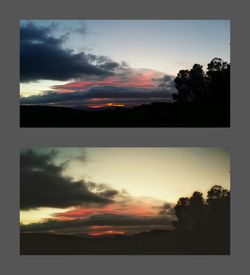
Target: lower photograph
(124, 201)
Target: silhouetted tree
(218, 204)
(217, 193)
(197, 214)
(191, 85)
(195, 85)
(218, 79)
(182, 84)
(190, 212)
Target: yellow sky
(165, 173)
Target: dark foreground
(152, 243)
(152, 115)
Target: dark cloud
(103, 190)
(167, 209)
(42, 56)
(167, 81)
(106, 219)
(42, 184)
(113, 92)
(110, 65)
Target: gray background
(12, 137)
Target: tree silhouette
(191, 85)
(218, 79)
(195, 85)
(218, 201)
(190, 212)
(217, 193)
(197, 214)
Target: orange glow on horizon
(110, 104)
(96, 106)
(108, 232)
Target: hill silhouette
(158, 114)
(148, 243)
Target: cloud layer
(42, 184)
(98, 92)
(130, 223)
(42, 56)
(86, 207)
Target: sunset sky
(98, 191)
(95, 63)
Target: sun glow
(39, 214)
(108, 232)
(110, 104)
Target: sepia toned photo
(125, 201)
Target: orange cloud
(108, 232)
(110, 104)
(135, 208)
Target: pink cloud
(138, 79)
(134, 208)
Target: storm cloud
(42, 56)
(43, 184)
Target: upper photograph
(125, 73)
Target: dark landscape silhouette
(202, 227)
(202, 100)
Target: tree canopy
(196, 85)
(198, 214)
